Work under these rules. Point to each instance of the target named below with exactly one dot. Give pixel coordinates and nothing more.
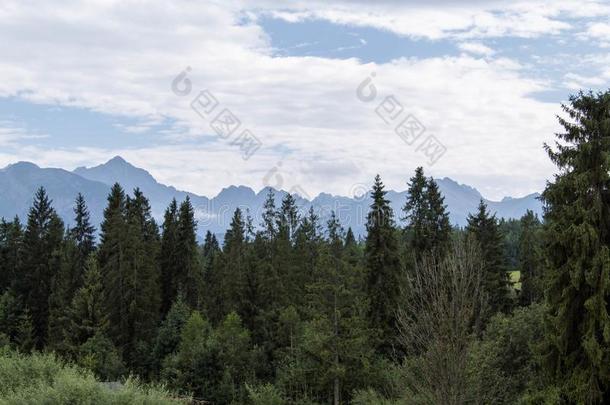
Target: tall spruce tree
(385, 279)
(307, 252)
(112, 259)
(251, 298)
(338, 338)
(167, 259)
(83, 232)
(329, 351)
(437, 219)
(284, 259)
(143, 273)
(350, 239)
(212, 296)
(288, 218)
(416, 213)
(265, 249)
(353, 249)
(428, 230)
(127, 257)
(63, 285)
(577, 228)
(210, 245)
(269, 220)
(483, 227)
(42, 243)
(190, 275)
(232, 269)
(78, 245)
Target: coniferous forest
(295, 310)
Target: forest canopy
(295, 311)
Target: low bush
(43, 378)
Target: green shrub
(370, 397)
(99, 355)
(43, 378)
(503, 364)
(264, 395)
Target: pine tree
(195, 368)
(168, 334)
(83, 232)
(167, 259)
(235, 236)
(127, 257)
(112, 259)
(269, 228)
(353, 249)
(87, 314)
(266, 292)
(11, 315)
(26, 332)
(350, 239)
(529, 259)
(483, 227)
(265, 246)
(307, 253)
(63, 285)
(251, 298)
(100, 355)
(212, 277)
(328, 350)
(428, 229)
(288, 218)
(341, 348)
(42, 244)
(209, 251)
(385, 279)
(232, 270)
(78, 245)
(237, 358)
(437, 219)
(284, 259)
(416, 214)
(189, 277)
(11, 240)
(210, 245)
(143, 273)
(309, 237)
(577, 224)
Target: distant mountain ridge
(19, 181)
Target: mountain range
(19, 181)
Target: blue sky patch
(327, 40)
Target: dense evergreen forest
(295, 311)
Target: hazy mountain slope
(117, 170)
(19, 181)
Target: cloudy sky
(322, 85)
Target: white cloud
(575, 81)
(476, 48)
(464, 19)
(12, 133)
(600, 32)
(120, 57)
